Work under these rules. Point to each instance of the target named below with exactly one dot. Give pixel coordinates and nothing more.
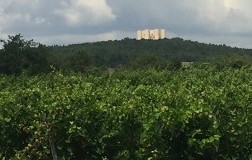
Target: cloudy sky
(77, 21)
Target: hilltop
(126, 51)
(20, 55)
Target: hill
(126, 51)
(19, 55)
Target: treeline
(19, 55)
(167, 53)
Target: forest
(19, 55)
(125, 99)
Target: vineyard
(146, 114)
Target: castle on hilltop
(151, 34)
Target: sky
(77, 21)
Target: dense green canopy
(19, 55)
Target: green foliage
(18, 55)
(146, 114)
(232, 60)
(148, 60)
(79, 62)
(131, 53)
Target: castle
(151, 34)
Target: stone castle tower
(151, 34)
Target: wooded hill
(128, 53)
(131, 52)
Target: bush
(186, 114)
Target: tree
(37, 60)
(19, 54)
(80, 61)
(147, 60)
(233, 60)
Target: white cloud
(227, 15)
(85, 12)
(220, 21)
(17, 13)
